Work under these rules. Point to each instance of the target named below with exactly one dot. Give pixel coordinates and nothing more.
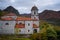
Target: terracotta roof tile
(25, 18)
(20, 18)
(20, 26)
(8, 18)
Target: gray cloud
(24, 6)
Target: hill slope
(49, 14)
(11, 9)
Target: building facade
(12, 24)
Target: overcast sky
(24, 6)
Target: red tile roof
(20, 26)
(8, 18)
(23, 26)
(19, 19)
(25, 18)
(35, 26)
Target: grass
(12, 37)
(22, 39)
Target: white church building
(12, 24)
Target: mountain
(49, 14)
(11, 9)
(26, 15)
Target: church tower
(34, 13)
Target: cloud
(24, 6)
(12, 0)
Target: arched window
(35, 30)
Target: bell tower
(34, 13)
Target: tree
(47, 31)
(36, 36)
(0, 14)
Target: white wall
(32, 12)
(36, 22)
(8, 29)
(1, 27)
(30, 27)
(22, 31)
(36, 17)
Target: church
(12, 24)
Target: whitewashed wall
(1, 27)
(32, 12)
(7, 29)
(36, 22)
(22, 31)
(36, 17)
(30, 27)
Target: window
(35, 30)
(34, 12)
(20, 23)
(7, 24)
(28, 24)
(28, 30)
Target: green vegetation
(47, 32)
(0, 13)
(15, 39)
(35, 36)
(12, 37)
(50, 30)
